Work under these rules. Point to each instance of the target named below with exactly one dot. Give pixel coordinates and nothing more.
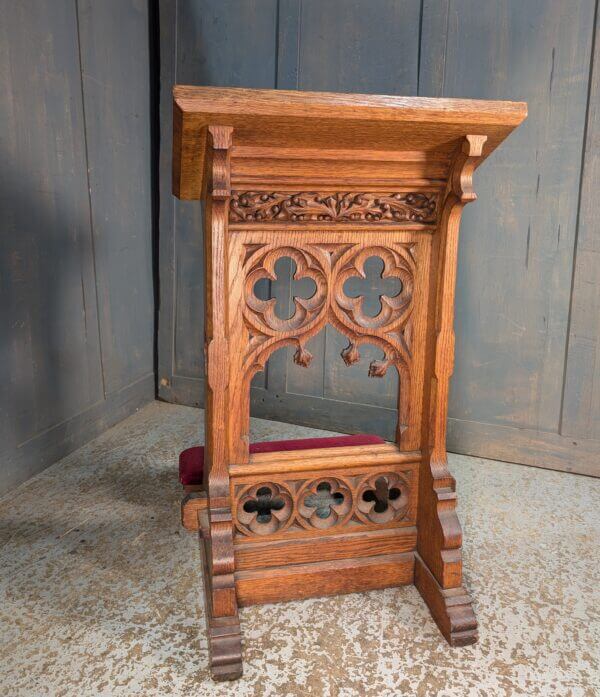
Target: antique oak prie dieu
(328, 181)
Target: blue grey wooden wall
(76, 287)
(527, 381)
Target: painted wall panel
(71, 362)
(115, 60)
(218, 43)
(516, 252)
(581, 405)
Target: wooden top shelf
(300, 120)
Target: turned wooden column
(329, 181)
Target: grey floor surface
(100, 592)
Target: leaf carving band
(311, 206)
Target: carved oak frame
(278, 526)
(236, 318)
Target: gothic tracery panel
(302, 504)
(330, 266)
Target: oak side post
(438, 569)
(221, 604)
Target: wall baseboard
(524, 446)
(38, 453)
(491, 441)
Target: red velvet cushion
(191, 461)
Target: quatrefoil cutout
(264, 509)
(383, 497)
(309, 287)
(302, 288)
(373, 288)
(324, 503)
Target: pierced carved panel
(322, 502)
(339, 207)
(260, 314)
(330, 266)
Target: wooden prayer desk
(329, 180)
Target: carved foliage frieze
(337, 207)
(319, 503)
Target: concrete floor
(100, 592)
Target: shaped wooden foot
(450, 607)
(222, 621)
(225, 648)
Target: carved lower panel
(298, 581)
(303, 503)
(337, 207)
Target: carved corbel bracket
(461, 178)
(219, 164)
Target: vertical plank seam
(89, 188)
(278, 361)
(154, 86)
(277, 22)
(173, 266)
(447, 31)
(419, 44)
(298, 68)
(268, 366)
(430, 84)
(578, 218)
(298, 42)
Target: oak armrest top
(296, 119)
(310, 105)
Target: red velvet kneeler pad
(191, 461)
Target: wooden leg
(439, 532)
(438, 561)
(450, 607)
(223, 624)
(222, 621)
(438, 569)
